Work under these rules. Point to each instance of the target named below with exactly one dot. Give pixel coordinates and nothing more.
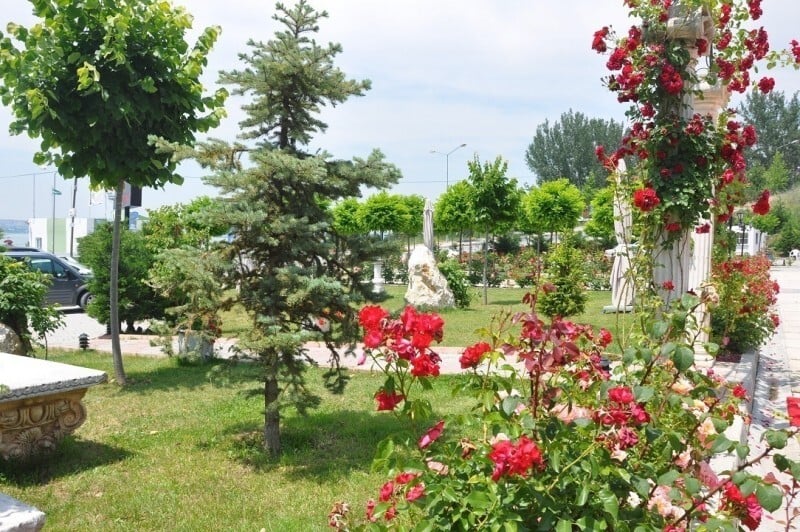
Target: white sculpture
(622, 289)
(427, 287)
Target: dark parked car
(68, 288)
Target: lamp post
(55, 192)
(447, 162)
(740, 215)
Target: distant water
(18, 239)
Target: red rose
(761, 206)
(598, 42)
(473, 355)
(620, 394)
(766, 85)
(605, 337)
(673, 227)
(371, 316)
(702, 229)
(668, 286)
(387, 490)
(739, 391)
(388, 401)
(646, 199)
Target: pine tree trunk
(116, 349)
(272, 415)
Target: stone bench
(40, 404)
(16, 516)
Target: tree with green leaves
(601, 222)
(777, 122)
(181, 225)
(495, 202)
(412, 224)
(384, 213)
(566, 149)
(553, 207)
(137, 300)
(96, 81)
(290, 279)
(453, 212)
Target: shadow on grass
(189, 375)
(323, 446)
(71, 457)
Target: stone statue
(427, 225)
(622, 290)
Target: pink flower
(405, 477)
(646, 199)
(432, 435)
(416, 492)
(620, 394)
(387, 490)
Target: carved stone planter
(41, 405)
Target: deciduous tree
(95, 80)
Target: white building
(57, 235)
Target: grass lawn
(178, 449)
(461, 324)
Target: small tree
(553, 207)
(496, 203)
(454, 212)
(95, 81)
(22, 291)
(384, 213)
(137, 300)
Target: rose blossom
(432, 435)
(761, 206)
(473, 355)
(646, 199)
(388, 401)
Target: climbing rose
(745, 508)
(387, 490)
(605, 337)
(599, 43)
(668, 286)
(388, 401)
(739, 391)
(766, 85)
(620, 394)
(474, 354)
(416, 492)
(646, 199)
(703, 229)
(761, 206)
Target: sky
(444, 73)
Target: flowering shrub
(401, 348)
(557, 442)
(745, 316)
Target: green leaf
(668, 478)
(683, 357)
(610, 502)
(643, 393)
(509, 404)
(564, 526)
(769, 496)
(583, 495)
(721, 444)
(658, 329)
(776, 438)
(692, 485)
(479, 500)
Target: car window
(48, 266)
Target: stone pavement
(771, 375)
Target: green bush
(457, 281)
(22, 293)
(564, 292)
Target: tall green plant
(95, 81)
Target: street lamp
(447, 162)
(740, 216)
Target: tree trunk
(460, 244)
(116, 350)
(272, 414)
(485, 268)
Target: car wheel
(84, 300)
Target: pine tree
(291, 273)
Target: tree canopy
(553, 207)
(96, 82)
(566, 149)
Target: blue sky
(443, 72)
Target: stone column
(377, 276)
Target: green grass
(461, 324)
(179, 449)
